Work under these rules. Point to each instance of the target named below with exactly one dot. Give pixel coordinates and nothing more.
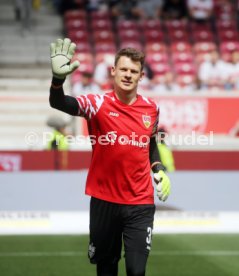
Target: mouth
(126, 82)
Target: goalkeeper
(123, 125)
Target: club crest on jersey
(146, 120)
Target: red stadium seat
(160, 68)
(180, 25)
(178, 35)
(151, 24)
(101, 24)
(74, 14)
(83, 47)
(76, 24)
(99, 57)
(103, 36)
(129, 35)
(84, 57)
(185, 80)
(203, 36)
(78, 35)
(228, 35)
(153, 36)
(98, 15)
(181, 47)
(155, 57)
(127, 24)
(226, 25)
(182, 57)
(195, 26)
(105, 48)
(229, 46)
(183, 68)
(204, 47)
(132, 44)
(152, 47)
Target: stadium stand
(160, 39)
(174, 49)
(25, 74)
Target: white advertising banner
(32, 222)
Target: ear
(112, 71)
(141, 75)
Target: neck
(126, 97)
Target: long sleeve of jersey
(154, 155)
(60, 101)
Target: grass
(171, 255)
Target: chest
(138, 120)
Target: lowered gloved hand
(62, 52)
(163, 185)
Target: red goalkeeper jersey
(120, 136)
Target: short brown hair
(131, 53)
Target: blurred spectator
(85, 85)
(124, 9)
(226, 9)
(200, 10)
(234, 72)
(58, 139)
(96, 5)
(165, 152)
(102, 75)
(148, 9)
(146, 82)
(234, 132)
(174, 9)
(23, 13)
(64, 5)
(164, 83)
(214, 72)
(185, 84)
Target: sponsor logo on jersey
(146, 120)
(114, 114)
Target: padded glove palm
(62, 52)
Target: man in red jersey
(122, 126)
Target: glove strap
(157, 166)
(56, 86)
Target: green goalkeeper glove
(163, 185)
(62, 52)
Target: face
(126, 74)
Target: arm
(162, 181)
(62, 52)
(154, 156)
(59, 100)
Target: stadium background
(42, 192)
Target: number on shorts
(149, 237)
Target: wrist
(157, 166)
(57, 81)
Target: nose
(128, 74)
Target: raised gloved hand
(163, 185)
(62, 52)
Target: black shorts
(110, 223)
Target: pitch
(171, 255)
